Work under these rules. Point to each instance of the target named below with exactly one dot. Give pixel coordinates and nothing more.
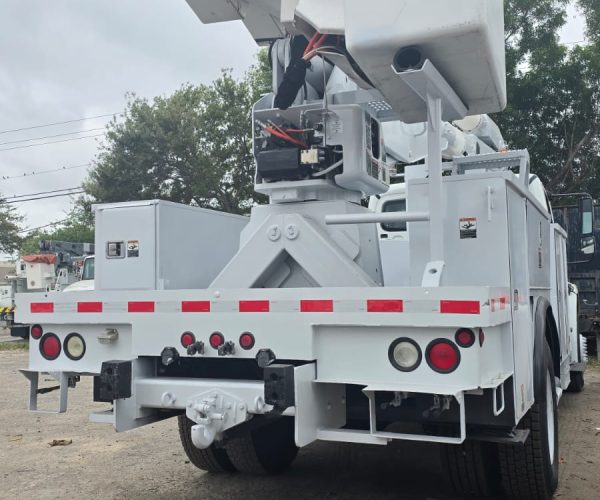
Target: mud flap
(318, 405)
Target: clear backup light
(405, 354)
(74, 346)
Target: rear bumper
(337, 337)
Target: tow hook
(215, 412)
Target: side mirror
(588, 245)
(588, 240)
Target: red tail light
(247, 341)
(465, 337)
(216, 340)
(36, 332)
(187, 339)
(50, 346)
(442, 356)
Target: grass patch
(14, 346)
(594, 364)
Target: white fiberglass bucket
(463, 38)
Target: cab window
(394, 206)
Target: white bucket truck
(287, 330)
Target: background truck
(584, 263)
(292, 326)
(58, 265)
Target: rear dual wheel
(472, 468)
(268, 449)
(530, 472)
(212, 459)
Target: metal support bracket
(442, 104)
(33, 377)
(498, 410)
(459, 397)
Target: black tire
(269, 449)
(531, 471)
(472, 469)
(577, 382)
(212, 459)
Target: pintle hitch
(216, 411)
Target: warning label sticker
(468, 228)
(133, 248)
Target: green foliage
(192, 147)
(10, 221)
(14, 345)
(553, 95)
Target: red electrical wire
(311, 43)
(285, 137)
(320, 42)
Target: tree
(553, 95)
(193, 147)
(10, 221)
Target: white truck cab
(393, 236)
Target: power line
(30, 230)
(10, 202)
(52, 142)
(57, 123)
(42, 172)
(37, 194)
(52, 136)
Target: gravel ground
(148, 463)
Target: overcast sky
(68, 59)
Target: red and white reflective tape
(498, 304)
(315, 306)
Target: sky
(65, 60)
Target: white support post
(442, 104)
(434, 164)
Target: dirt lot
(148, 463)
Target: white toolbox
(159, 245)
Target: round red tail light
(442, 356)
(465, 337)
(187, 339)
(50, 346)
(247, 341)
(36, 332)
(216, 340)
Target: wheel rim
(550, 416)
